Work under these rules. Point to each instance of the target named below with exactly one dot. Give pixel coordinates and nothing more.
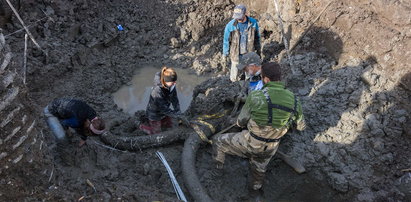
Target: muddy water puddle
(134, 96)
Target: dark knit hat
(170, 78)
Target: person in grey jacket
(163, 104)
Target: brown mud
(351, 70)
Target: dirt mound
(22, 148)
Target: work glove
(240, 125)
(243, 95)
(82, 143)
(301, 125)
(184, 120)
(231, 120)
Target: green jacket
(256, 107)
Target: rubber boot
(297, 166)
(256, 196)
(55, 125)
(257, 179)
(218, 157)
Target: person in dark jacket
(163, 97)
(75, 114)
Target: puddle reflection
(135, 96)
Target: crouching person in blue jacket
(63, 113)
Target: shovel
(297, 166)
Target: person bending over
(75, 114)
(267, 114)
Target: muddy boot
(213, 175)
(217, 172)
(297, 166)
(252, 196)
(257, 179)
(219, 165)
(218, 157)
(256, 196)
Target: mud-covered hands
(301, 125)
(231, 120)
(242, 96)
(184, 120)
(81, 143)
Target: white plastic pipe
(177, 188)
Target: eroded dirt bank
(351, 70)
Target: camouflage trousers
(243, 145)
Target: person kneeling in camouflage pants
(268, 114)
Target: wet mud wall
(350, 71)
(23, 165)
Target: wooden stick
(2, 42)
(226, 129)
(25, 59)
(91, 185)
(309, 27)
(280, 24)
(22, 23)
(297, 166)
(406, 170)
(51, 174)
(32, 24)
(108, 147)
(285, 41)
(50, 18)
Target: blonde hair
(167, 72)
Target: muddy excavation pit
(350, 68)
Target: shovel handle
(297, 166)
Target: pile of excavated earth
(349, 64)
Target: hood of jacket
(156, 80)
